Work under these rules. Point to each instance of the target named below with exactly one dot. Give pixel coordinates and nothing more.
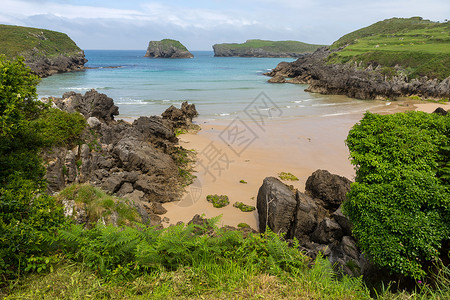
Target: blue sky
(198, 24)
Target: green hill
(420, 47)
(46, 52)
(26, 41)
(264, 48)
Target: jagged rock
(350, 80)
(276, 205)
(181, 117)
(343, 221)
(91, 104)
(306, 217)
(157, 208)
(125, 189)
(277, 79)
(327, 232)
(331, 189)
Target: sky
(198, 24)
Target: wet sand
(296, 145)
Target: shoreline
(296, 145)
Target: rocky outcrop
(314, 218)
(136, 161)
(353, 81)
(46, 66)
(167, 49)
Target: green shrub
(57, 127)
(29, 220)
(400, 202)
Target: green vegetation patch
(244, 207)
(167, 44)
(287, 176)
(243, 225)
(99, 206)
(420, 47)
(57, 127)
(273, 46)
(218, 201)
(26, 41)
(243, 181)
(400, 202)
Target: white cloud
(200, 23)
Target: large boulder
(276, 205)
(331, 189)
(181, 117)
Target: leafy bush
(28, 222)
(57, 127)
(400, 202)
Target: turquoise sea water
(220, 87)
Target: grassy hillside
(420, 47)
(26, 41)
(274, 46)
(167, 44)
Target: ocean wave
(86, 88)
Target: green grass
(273, 46)
(166, 44)
(420, 47)
(17, 40)
(99, 205)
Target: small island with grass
(46, 52)
(263, 48)
(167, 48)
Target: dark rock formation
(181, 118)
(440, 111)
(276, 204)
(332, 189)
(46, 66)
(136, 161)
(314, 218)
(353, 81)
(167, 49)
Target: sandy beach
(296, 145)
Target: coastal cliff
(262, 48)
(46, 52)
(392, 58)
(167, 48)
